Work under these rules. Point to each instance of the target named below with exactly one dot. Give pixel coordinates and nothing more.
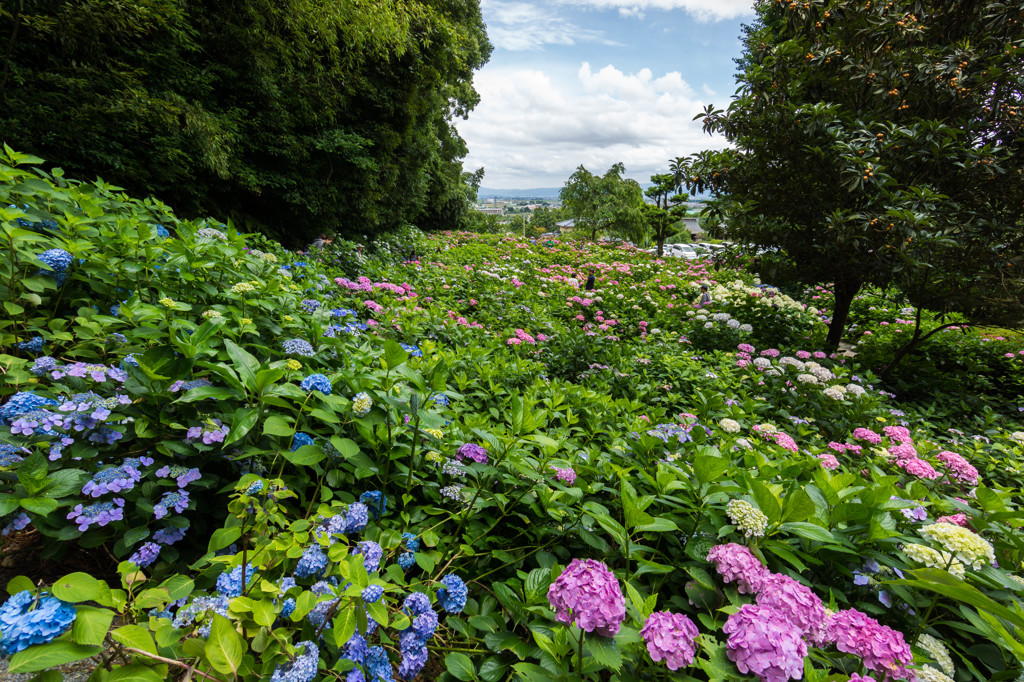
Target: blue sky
(594, 82)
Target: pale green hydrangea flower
(968, 546)
(748, 518)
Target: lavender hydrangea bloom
(312, 563)
(26, 620)
(414, 658)
(378, 665)
(183, 475)
(188, 385)
(881, 648)
(178, 501)
(763, 642)
(20, 522)
(316, 382)
(198, 608)
(588, 594)
(670, 637)
(471, 451)
(310, 305)
(146, 554)
(372, 554)
(43, 364)
(100, 513)
(452, 597)
(112, 480)
(169, 535)
(213, 431)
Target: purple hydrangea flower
(588, 594)
(736, 563)
(112, 480)
(471, 451)
(178, 501)
(372, 554)
(378, 665)
(371, 594)
(299, 347)
(762, 641)
(169, 535)
(146, 554)
(881, 648)
(100, 513)
(20, 522)
(189, 385)
(798, 602)
(43, 365)
(183, 475)
(310, 305)
(670, 637)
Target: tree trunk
(845, 291)
(661, 248)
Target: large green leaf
(460, 666)
(43, 656)
(225, 647)
(91, 625)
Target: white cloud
(703, 10)
(521, 26)
(630, 12)
(530, 130)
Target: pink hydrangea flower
(882, 649)
(903, 451)
(829, 461)
(857, 677)
(798, 602)
(588, 595)
(784, 441)
(745, 347)
(567, 476)
(670, 637)
(735, 563)
(763, 641)
(899, 434)
(955, 519)
(868, 435)
(960, 469)
(919, 468)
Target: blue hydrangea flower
(26, 620)
(255, 488)
(406, 560)
(412, 350)
(43, 364)
(229, 583)
(412, 543)
(378, 665)
(413, 660)
(198, 608)
(371, 594)
(299, 347)
(312, 563)
(343, 312)
(162, 233)
(112, 480)
(356, 517)
(316, 382)
(9, 455)
(189, 385)
(372, 554)
(22, 403)
(310, 305)
(300, 439)
(440, 399)
(146, 554)
(169, 535)
(376, 502)
(452, 597)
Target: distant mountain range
(547, 193)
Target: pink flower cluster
(829, 461)
(844, 447)
(907, 459)
(736, 564)
(670, 637)
(566, 476)
(784, 441)
(881, 648)
(588, 594)
(960, 468)
(764, 642)
(770, 353)
(373, 305)
(868, 435)
(745, 348)
(955, 519)
(898, 434)
(471, 451)
(798, 603)
(521, 337)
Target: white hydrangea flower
(792, 362)
(835, 392)
(729, 425)
(748, 518)
(855, 390)
(762, 362)
(969, 547)
(938, 651)
(926, 556)
(806, 378)
(746, 328)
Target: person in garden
(590, 282)
(705, 296)
(321, 241)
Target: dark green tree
(293, 116)
(879, 143)
(607, 203)
(662, 218)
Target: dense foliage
(363, 465)
(880, 143)
(293, 117)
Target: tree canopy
(880, 143)
(607, 203)
(297, 116)
(661, 218)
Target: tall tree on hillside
(880, 143)
(299, 116)
(607, 203)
